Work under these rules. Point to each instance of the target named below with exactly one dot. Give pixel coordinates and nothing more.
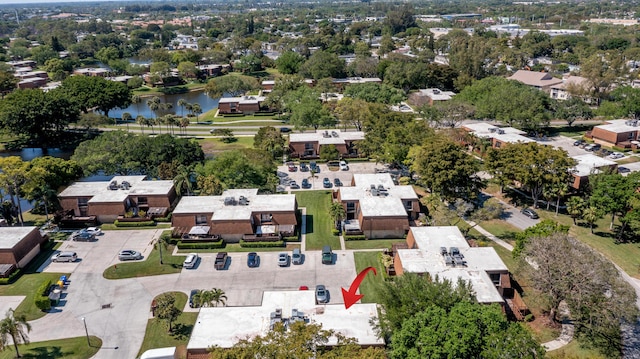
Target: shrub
(11, 278)
(163, 219)
(291, 239)
(529, 318)
(134, 224)
(355, 238)
(244, 244)
(335, 232)
(41, 299)
(207, 245)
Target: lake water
(200, 97)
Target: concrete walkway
(303, 229)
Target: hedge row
(291, 239)
(335, 232)
(134, 224)
(41, 299)
(208, 245)
(355, 238)
(163, 219)
(244, 244)
(12, 278)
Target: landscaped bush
(291, 239)
(244, 244)
(207, 245)
(355, 238)
(335, 232)
(11, 278)
(163, 219)
(134, 224)
(619, 149)
(232, 114)
(41, 299)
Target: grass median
(70, 348)
(148, 267)
(371, 284)
(318, 219)
(373, 243)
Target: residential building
(225, 326)
(242, 104)
(309, 145)
(107, 200)
(341, 84)
(562, 91)
(618, 133)
(539, 80)
(101, 72)
(587, 165)
(18, 246)
(443, 252)
(499, 136)
(376, 207)
(430, 96)
(212, 70)
(238, 214)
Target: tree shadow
(181, 331)
(309, 223)
(44, 353)
(604, 234)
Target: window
(83, 202)
(142, 201)
(408, 205)
(265, 217)
(495, 278)
(201, 220)
(308, 146)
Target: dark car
(83, 236)
(578, 142)
(285, 129)
(253, 260)
(191, 297)
(305, 183)
(304, 167)
(337, 182)
(314, 166)
(530, 213)
(294, 185)
(326, 183)
(623, 170)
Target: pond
(200, 97)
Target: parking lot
(316, 183)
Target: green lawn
(215, 145)
(573, 350)
(70, 348)
(373, 243)
(147, 267)
(157, 334)
(630, 159)
(235, 247)
(318, 219)
(500, 228)
(370, 283)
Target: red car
(292, 167)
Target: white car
(616, 155)
(129, 255)
(191, 261)
(94, 230)
(344, 166)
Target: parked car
(344, 166)
(292, 167)
(327, 255)
(305, 183)
(294, 185)
(82, 236)
(337, 182)
(64, 257)
(583, 145)
(285, 129)
(593, 147)
(253, 260)
(530, 213)
(129, 255)
(296, 256)
(303, 287)
(326, 183)
(623, 170)
(322, 296)
(314, 166)
(304, 167)
(579, 142)
(190, 261)
(191, 297)
(616, 155)
(221, 260)
(93, 230)
(283, 259)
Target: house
(225, 326)
(238, 214)
(308, 145)
(240, 105)
(430, 96)
(32, 83)
(267, 85)
(18, 246)
(499, 136)
(540, 80)
(101, 72)
(618, 133)
(212, 70)
(341, 84)
(562, 91)
(376, 207)
(587, 165)
(106, 200)
(445, 253)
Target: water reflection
(200, 97)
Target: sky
(4, 2)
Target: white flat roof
(100, 192)
(242, 99)
(378, 206)
(478, 260)
(215, 204)
(618, 126)
(590, 164)
(487, 130)
(437, 94)
(319, 137)
(10, 236)
(159, 353)
(225, 326)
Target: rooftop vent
(443, 250)
(113, 185)
(125, 185)
(243, 201)
(334, 134)
(500, 131)
(326, 134)
(230, 201)
(492, 129)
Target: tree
(182, 180)
(225, 134)
(591, 215)
(329, 153)
(141, 120)
(161, 68)
(230, 84)
(307, 110)
(337, 213)
(446, 113)
(323, 64)
(166, 308)
(375, 92)
(572, 110)
(400, 19)
(89, 92)
(598, 297)
(612, 193)
(249, 63)
(446, 169)
(43, 53)
(352, 112)
(13, 176)
(15, 327)
(188, 69)
(218, 297)
(8, 82)
(601, 71)
(575, 207)
(289, 62)
(209, 185)
(126, 117)
(627, 101)
(543, 228)
(39, 117)
(532, 165)
(269, 139)
(247, 168)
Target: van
(65, 257)
(327, 255)
(296, 257)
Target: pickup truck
(221, 260)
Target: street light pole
(86, 331)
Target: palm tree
(591, 215)
(196, 109)
(136, 99)
(182, 102)
(184, 122)
(154, 105)
(126, 117)
(337, 212)
(141, 120)
(14, 326)
(189, 108)
(218, 296)
(204, 298)
(575, 207)
(182, 181)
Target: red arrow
(350, 297)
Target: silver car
(129, 255)
(321, 294)
(283, 259)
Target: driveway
(117, 311)
(316, 183)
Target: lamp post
(86, 330)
